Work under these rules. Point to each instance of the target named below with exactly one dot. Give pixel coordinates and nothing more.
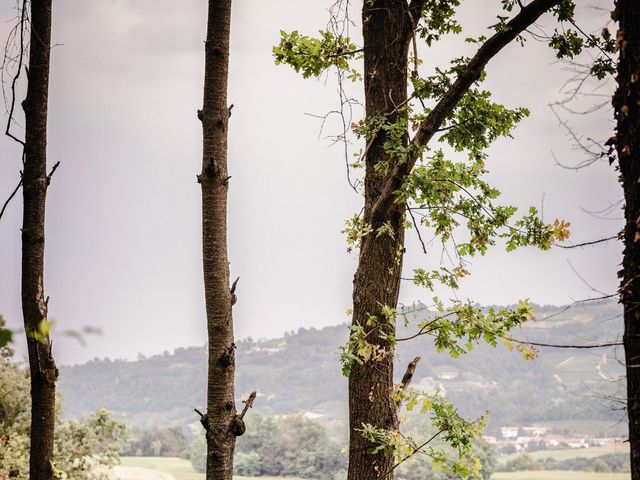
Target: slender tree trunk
(626, 102)
(223, 423)
(34, 304)
(377, 279)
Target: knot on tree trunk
(227, 357)
(237, 426)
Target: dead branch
(248, 403)
(13, 194)
(17, 75)
(415, 225)
(408, 374)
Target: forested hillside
(301, 372)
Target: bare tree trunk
(377, 280)
(626, 102)
(34, 304)
(221, 422)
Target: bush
(247, 464)
(197, 454)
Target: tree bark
(376, 283)
(34, 187)
(388, 27)
(626, 103)
(221, 422)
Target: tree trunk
(223, 424)
(626, 102)
(377, 280)
(34, 186)
(388, 27)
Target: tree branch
(415, 450)
(248, 403)
(415, 225)
(555, 345)
(17, 75)
(13, 194)
(586, 244)
(408, 375)
(430, 125)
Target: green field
(566, 454)
(179, 468)
(559, 475)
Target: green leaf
(6, 337)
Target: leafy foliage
(571, 42)
(79, 446)
(6, 335)
(281, 447)
(312, 56)
(457, 432)
(437, 19)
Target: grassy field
(571, 453)
(559, 475)
(179, 468)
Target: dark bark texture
(388, 27)
(221, 422)
(626, 103)
(387, 33)
(34, 186)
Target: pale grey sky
(123, 215)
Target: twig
(585, 244)
(13, 194)
(234, 284)
(554, 345)
(204, 420)
(415, 450)
(248, 403)
(415, 225)
(424, 330)
(17, 75)
(53, 170)
(408, 375)
(414, 74)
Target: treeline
(83, 448)
(612, 462)
(291, 446)
(157, 442)
(160, 389)
(285, 446)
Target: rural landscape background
(571, 396)
(418, 262)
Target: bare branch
(555, 345)
(586, 244)
(408, 374)
(415, 225)
(13, 194)
(415, 450)
(53, 170)
(248, 403)
(17, 75)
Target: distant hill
(301, 372)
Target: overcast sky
(123, 212)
